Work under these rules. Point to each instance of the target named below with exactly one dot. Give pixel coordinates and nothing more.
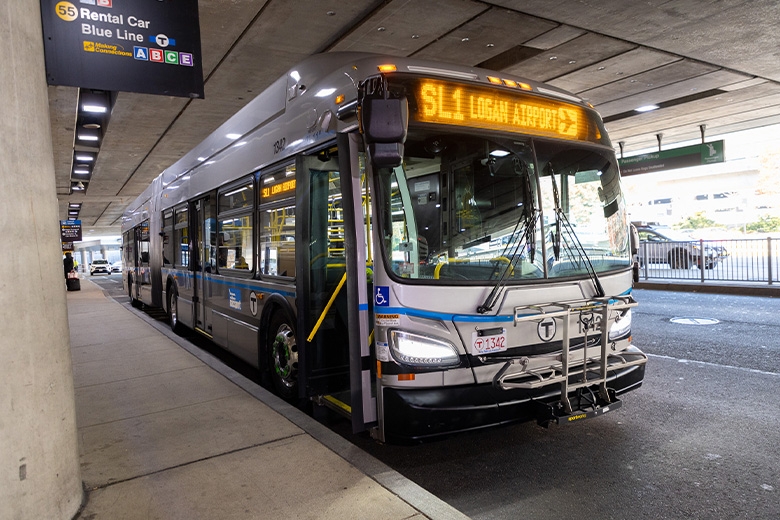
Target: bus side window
(167, 238)
(277, 223)
(181, 239)
(277, 241)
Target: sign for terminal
(501, 109)
(684, 157)
(123, 45)
(70, 230)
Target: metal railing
(748, 260)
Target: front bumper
(412, 415)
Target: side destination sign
(124, 45)
(497, 108)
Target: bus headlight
(621, 328)
(421, 351)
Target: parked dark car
(680, 250)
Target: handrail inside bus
(327, 308)
(440, 265)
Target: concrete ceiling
(704, 62)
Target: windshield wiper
(562, 224)
(525, 240)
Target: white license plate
(488, 343)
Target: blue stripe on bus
(258, 288)
(363, 307)
(463, 318)
(418, 313)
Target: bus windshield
(463, 208)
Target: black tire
(173, 310)
(679, 259)
(135, 303)
(282, 350)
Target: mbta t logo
(546, 329)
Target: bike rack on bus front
(595, 358)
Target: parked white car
(99, 266)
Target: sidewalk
(710, 287)
(167, 432)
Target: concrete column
(39, 472)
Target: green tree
(765, 224)
(697, 221)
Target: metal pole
(769, 258)
(701, 259)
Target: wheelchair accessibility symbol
(382, 296)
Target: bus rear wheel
(283, 357)
(135, 303)
(173, 309)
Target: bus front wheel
(283, 357)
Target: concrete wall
(39, 472)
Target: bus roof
(310, 88)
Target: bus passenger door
(360, 286)
(143, 279)
(333, 312)
(203, 262)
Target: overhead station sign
(70, 230)
(148, 46)
(684, 157)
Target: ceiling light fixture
(647, 108)
(94, 109)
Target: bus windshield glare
(463, 208)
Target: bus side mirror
(634, 240)
(384, 125)
(634, 251)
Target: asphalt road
(700, 439)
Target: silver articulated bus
(427, 248)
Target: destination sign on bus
(472, 106)
(277, 190)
